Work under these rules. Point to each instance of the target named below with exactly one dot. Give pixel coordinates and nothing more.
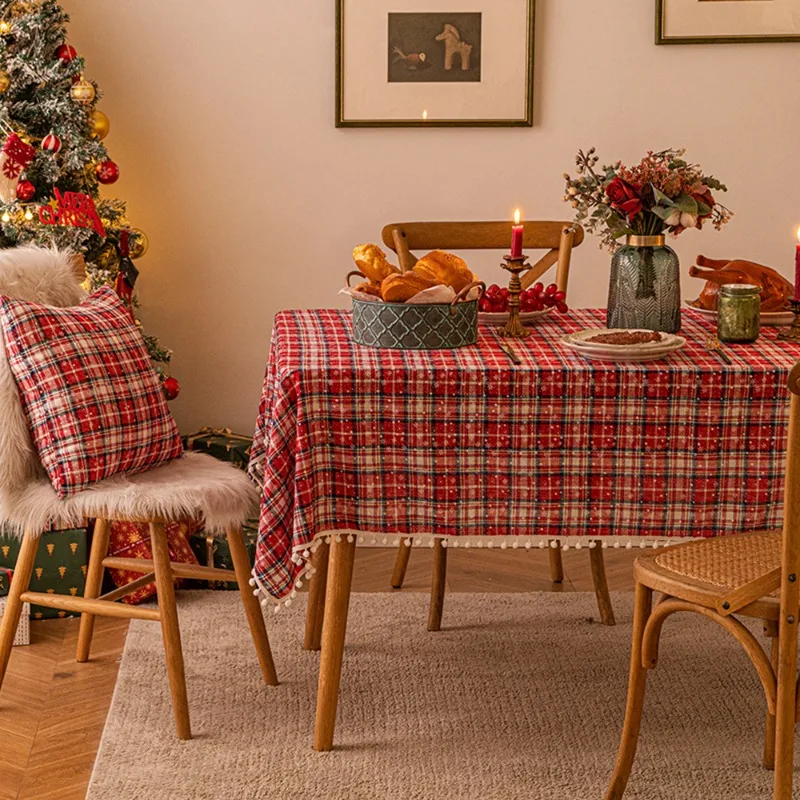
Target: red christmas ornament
(66, 53)
(171, 388)
(25, 191)
(51, 143)
(107, 172)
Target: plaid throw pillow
(94, 403)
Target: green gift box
(213, 552)
(222, 443)
(59, 568)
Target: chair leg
(556, 563)
(337, 603)
(635, 705)
(401, 565)
(13, 610)
(94, 583)
(771, 630)
(601, 584)
(438, 586)
(785, 707)
(170, 630)
(258, 630)
(315, 611)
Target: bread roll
(403, 286)
(368, 287)
(371, 262)
(445, 268)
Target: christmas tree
(52, 156)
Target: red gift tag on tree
(15, 156)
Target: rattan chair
(559, 239)
(752, 575)
(194, 486)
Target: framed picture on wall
(719, 21)
(401, 64)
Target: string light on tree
(6, 217)
(5, 28)
(28, 214)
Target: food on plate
(537, 298)
(446, 269)
(372, 263)
(403, 286)
(775, 289)
(369, 287)
(627, 337)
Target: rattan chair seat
(704, 571)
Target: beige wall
(222, 122)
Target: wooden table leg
(401, 565)
(438, 586)
(337, 603)
(315, 611)
(556, 564)
(601, 584)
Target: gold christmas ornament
(107, 257)
(5, 82)
(139, 243)
(82, 92)
(100, 124)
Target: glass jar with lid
(739, 314)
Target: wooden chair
(752, 575)
(558, 238)
(194, 486)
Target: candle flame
(798, 234)
(516, 217)
(425, 115)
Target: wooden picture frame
(664, 37)
(381, 13)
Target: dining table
(467, 448)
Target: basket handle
(350, 275)
(465, 291)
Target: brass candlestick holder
(514, 328)
(792, 333)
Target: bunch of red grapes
(537, 298)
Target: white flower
(688, 220)
(674, 218)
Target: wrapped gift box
(5, 580)
(132, 540)
(214, 552)
(59, 568)
(24, 628)
(221, 443)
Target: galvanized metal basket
(417, 326)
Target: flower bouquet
(662, 194)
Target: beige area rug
(521, 696)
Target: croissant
(371, 262)
(445, 268)
(775, 289)
(403, 286)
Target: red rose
(702, 194)
(624, 197)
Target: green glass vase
(644, 289)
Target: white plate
(497, 318)
(580, 339)
(767, 317)
(621, 355)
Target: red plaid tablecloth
(462, 443)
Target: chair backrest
(557, 237)
(38, 275)
(790, 559)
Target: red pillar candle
(797, 268)
(517, 232)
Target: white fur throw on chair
(193, 486)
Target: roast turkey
(775, 289)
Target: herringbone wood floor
(52, 710)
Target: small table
(464, 447)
